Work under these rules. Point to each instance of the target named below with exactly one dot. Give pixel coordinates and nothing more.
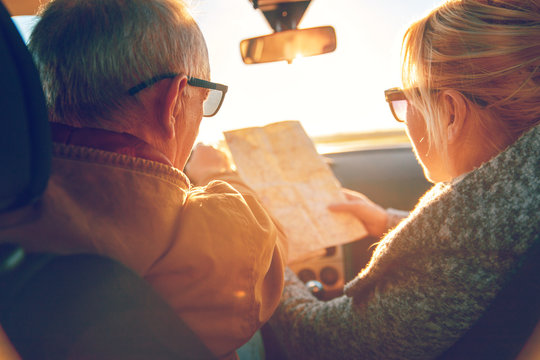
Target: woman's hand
(206, 161)
(372, 215)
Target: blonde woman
(471, 104)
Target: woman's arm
(377, 220)
(403, 315)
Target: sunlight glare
(340, 92)
(240, 294)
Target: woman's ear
(171, 105)
(456, 107)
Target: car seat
(507, 324)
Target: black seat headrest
(25, 143)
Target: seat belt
(88, 307)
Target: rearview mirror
(288, 45)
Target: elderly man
(127, 85)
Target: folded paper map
(280, 162)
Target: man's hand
(206, 161)
(372, 215)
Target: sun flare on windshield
(337, 93)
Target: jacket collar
(120, 143)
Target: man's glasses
(398, 103)
(215, 97)
(213, 101)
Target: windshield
(337, 93)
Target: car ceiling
(30, 7)
(23, 7)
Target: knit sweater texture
(433, 275)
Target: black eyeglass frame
(193, 81)
(212, 86)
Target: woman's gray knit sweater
(432, 276)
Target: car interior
(83, 306)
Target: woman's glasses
(213, 101)
(398, 103)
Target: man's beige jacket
(212, 252)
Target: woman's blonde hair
(89, 53)
(489, 51)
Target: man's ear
(456, 108)
(171, 105)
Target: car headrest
(25, 140)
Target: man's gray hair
(89, 53)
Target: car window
(340, 92)
(337, 93)
(24, 24)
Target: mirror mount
(282, 15)
(285, 16)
